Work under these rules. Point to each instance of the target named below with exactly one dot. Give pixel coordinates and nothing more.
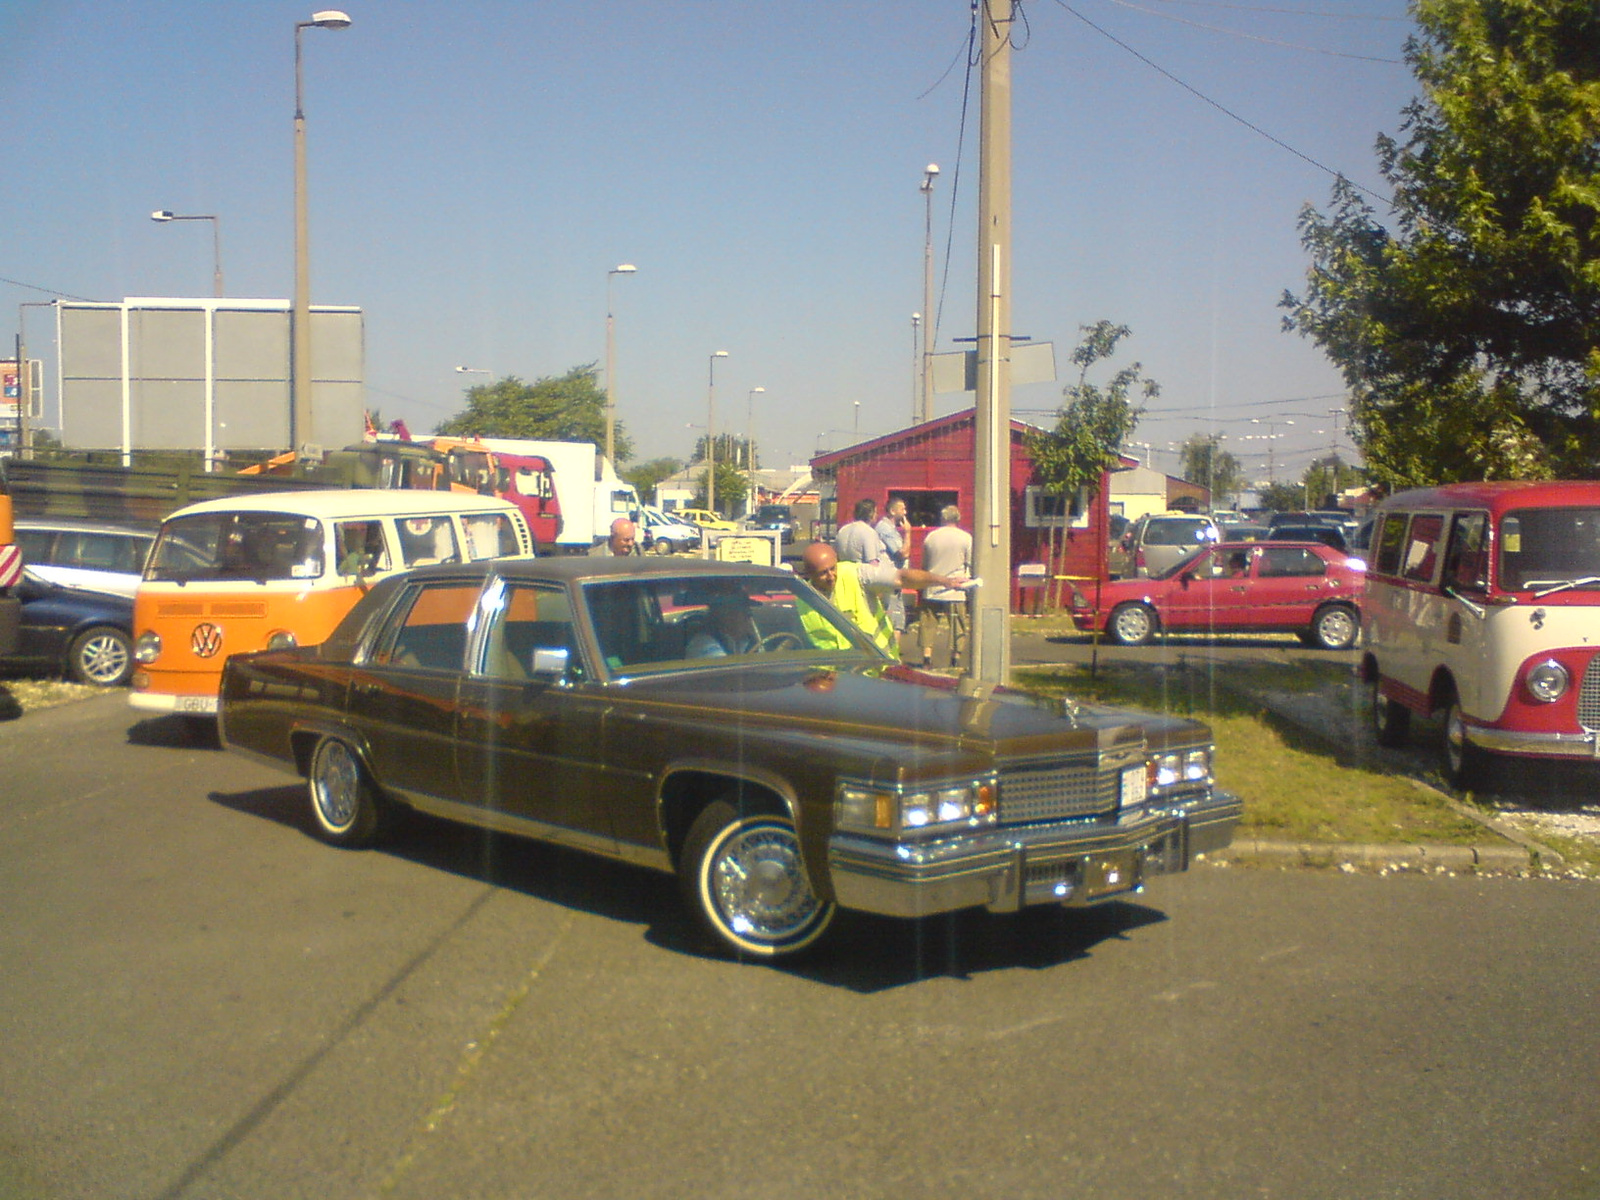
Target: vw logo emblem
(206, 640)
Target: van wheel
(743, 878)
(1391, 720)
(663, 546)
(1462, 761)
(1131, 624)
(1335, 627)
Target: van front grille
(1589, 695)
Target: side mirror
(550, 661)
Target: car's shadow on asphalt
(178, 733)
(863, 953)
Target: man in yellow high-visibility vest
(856, 590)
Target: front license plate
(197, 704)
(1110, 875)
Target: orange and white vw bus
(282, 568)
(1483, 603)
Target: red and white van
(1483, 603)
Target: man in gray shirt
(859, 541)
(893, 531)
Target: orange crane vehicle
(441, 464)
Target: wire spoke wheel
(745, 879)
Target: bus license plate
(198, 704)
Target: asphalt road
(199, 1000)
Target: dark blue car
(88, 636)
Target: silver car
(1158, 541)
(96, 555)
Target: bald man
(856, 589)
(624, 540)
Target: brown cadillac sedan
(725, 723)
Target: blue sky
(477, 168)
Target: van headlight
(1173, 770)
(147, 648)
(281, 639)
(967, 805)
(1548, 681)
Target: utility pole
(991, 530)
(929, 333)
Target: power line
(1288, 12)
(33, 287)
(1252, 37)
(1223, 109)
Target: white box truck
(587, 486)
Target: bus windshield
(258, 546)
(1547, 550)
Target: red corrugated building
(931, 465)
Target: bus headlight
(1548, 681)
(148, 647)
(281, 639)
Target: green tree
(1281, 496)
(1069, 460)
(564, 408)
(1326, 477)
(646, 475)
(731, 487)
(1205, 462)
(1467, 325)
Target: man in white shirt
(945, 551)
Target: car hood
(905, 707)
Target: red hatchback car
(1303, 588)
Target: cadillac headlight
(1548, 682)
(1178, 769)
(966, 805)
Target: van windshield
(259, 546)
(1550, 549)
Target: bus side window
(1390, 540)
(1466, 563)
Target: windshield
(672, 622)
(259, 546)
(1544, 549)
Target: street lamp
(611, 362)
(857, 429)
(750, 450)
(925, 411)
(1272, 435)
(301, 430)
(711, 430)
(164, 215)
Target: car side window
(525, 620)
(1279, 562)
(431, 632)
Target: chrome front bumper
(1005, 870)
(1542, 745)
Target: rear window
(1174, 531)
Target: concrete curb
(1526, 854)
(1395, 856)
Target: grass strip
(1293, 786)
